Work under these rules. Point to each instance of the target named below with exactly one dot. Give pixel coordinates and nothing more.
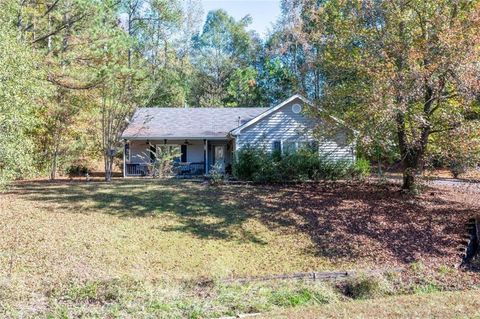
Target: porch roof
(184, 123)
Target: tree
(223, 47)
(458, 149)
(66, 34)
(21, 94)
(414, 64)
(277, 81)
(290, 47)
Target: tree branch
(49, 9)
(446, 129)
(75, 86)
(68, 23)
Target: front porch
(196, 157)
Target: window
(184, 153)
(289, 147)
(309, 145)
(277, 147)
(296, 108)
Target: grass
(436, 305)
(366, 287)
(148, 229)
(141, 247)
(169, 299)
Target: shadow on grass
(345, 221)
(202, 211)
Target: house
(204, 137)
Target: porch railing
(136, 170)
(179, 169)
(189, 169)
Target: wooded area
(405, 74)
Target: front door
(219, 157)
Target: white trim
(129, 152)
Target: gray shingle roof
(187, 122)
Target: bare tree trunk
(53, 169)
(108, 167)
(105, 143)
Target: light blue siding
(288, 127)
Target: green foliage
(361, 52)
(255, 164)
(98, 71)
(248, 161)
(77, 170)
(277, 81)
(216, 174)
(361, 169)
(176, 300)
(301, 296)
(224, 58)
(22, 90)
(243, 90)
(426, 288)
(458, 150)
(164, 159)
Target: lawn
(64, 236)
(436, 305)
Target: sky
(263, 12)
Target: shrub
(361, 168)
(365, 287)
(257, 165)
(76, 170)
(248, 162)
(216, 175)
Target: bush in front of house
(257, 165)
(249, 161)
(76, 170)
(361, 168)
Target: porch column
(124, 162)
(206, 155)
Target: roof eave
(201, 138)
